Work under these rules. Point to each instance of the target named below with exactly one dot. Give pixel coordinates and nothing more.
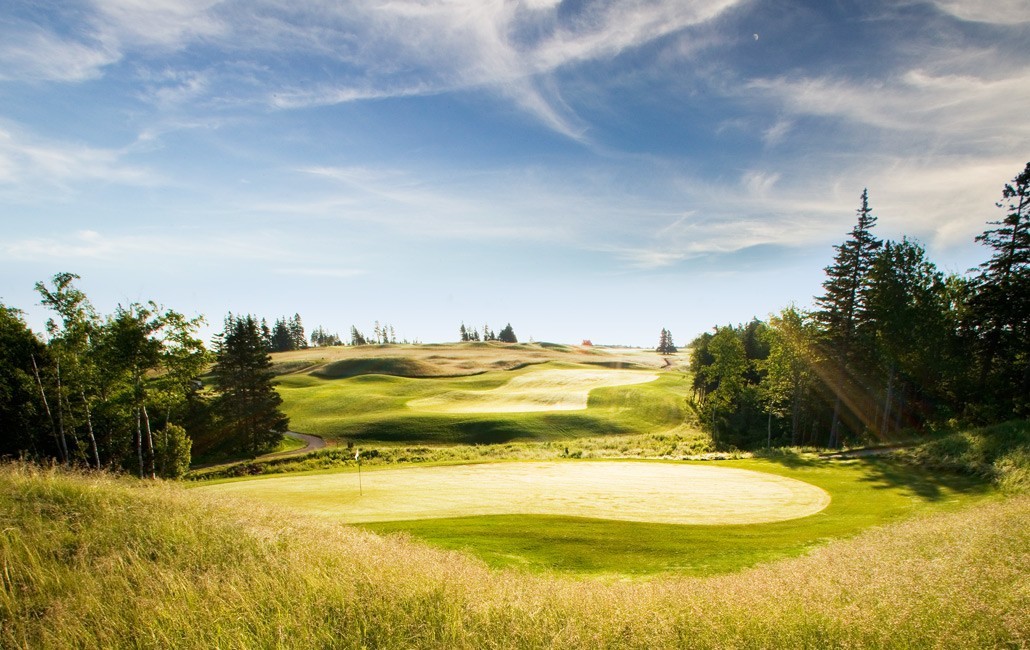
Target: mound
(397, 366)
(624, 491)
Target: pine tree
(282, 339)
(298, 341)
(247, 402)
(1001, 302)
(507, 335)
(841, 305)
(665, 344)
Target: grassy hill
(93, 561)
(374, 393)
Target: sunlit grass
(88, 561)
(864, 493)
(375, 408)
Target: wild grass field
(480, 393)
(89, 560)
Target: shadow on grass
(928, 485)
(789, 458)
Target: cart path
(313, 443)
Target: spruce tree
(665, 344)
(841, 305)
(1001, 303)
(507, 335)
(248, 404)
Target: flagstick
(357, 457)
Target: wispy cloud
(26, 161)
(97, 246)
(965, 107)
(1002, 12)
(28, 53)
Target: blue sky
(581, 169)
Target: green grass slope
(374, 408)
(90, 561)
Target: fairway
(669, 493)
(542, 390)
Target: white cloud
(27, 161)
(30, 53)
(166, 23)
(963, 108)
(1002, 12)
(97, 246)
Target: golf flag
(357, 455)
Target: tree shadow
(928, 485)
(789, 458)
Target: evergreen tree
(507, 335)
(298, 340)
(904, 321)
(665, 344)
(247, 401)
(282, 337)
(266, 334)
(356, 337)
(840, 307)
(1001, 304)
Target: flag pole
(357, 457)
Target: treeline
(506, 335)
(122, 391)
(892, 343)
(102, 391)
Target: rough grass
(88, 561)
(1000, 453)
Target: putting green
(674, 493)
(542, 390)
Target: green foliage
(665, 344)
(507, 335)
(21, 410)
(999, 453)
(172, 448)
(247, 404)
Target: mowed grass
(540, 390)
(375, 408)
(92, 561)
(864, 493)
(678, 493)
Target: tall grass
(91, 561)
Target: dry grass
(541, 390)
(92, 562)
(624, 491)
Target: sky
(580, 169)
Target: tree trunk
(46, 403)
(887, 405)
(60, 417)
(89, 427)
(834, 441)
(139, 442)
(150, 443)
